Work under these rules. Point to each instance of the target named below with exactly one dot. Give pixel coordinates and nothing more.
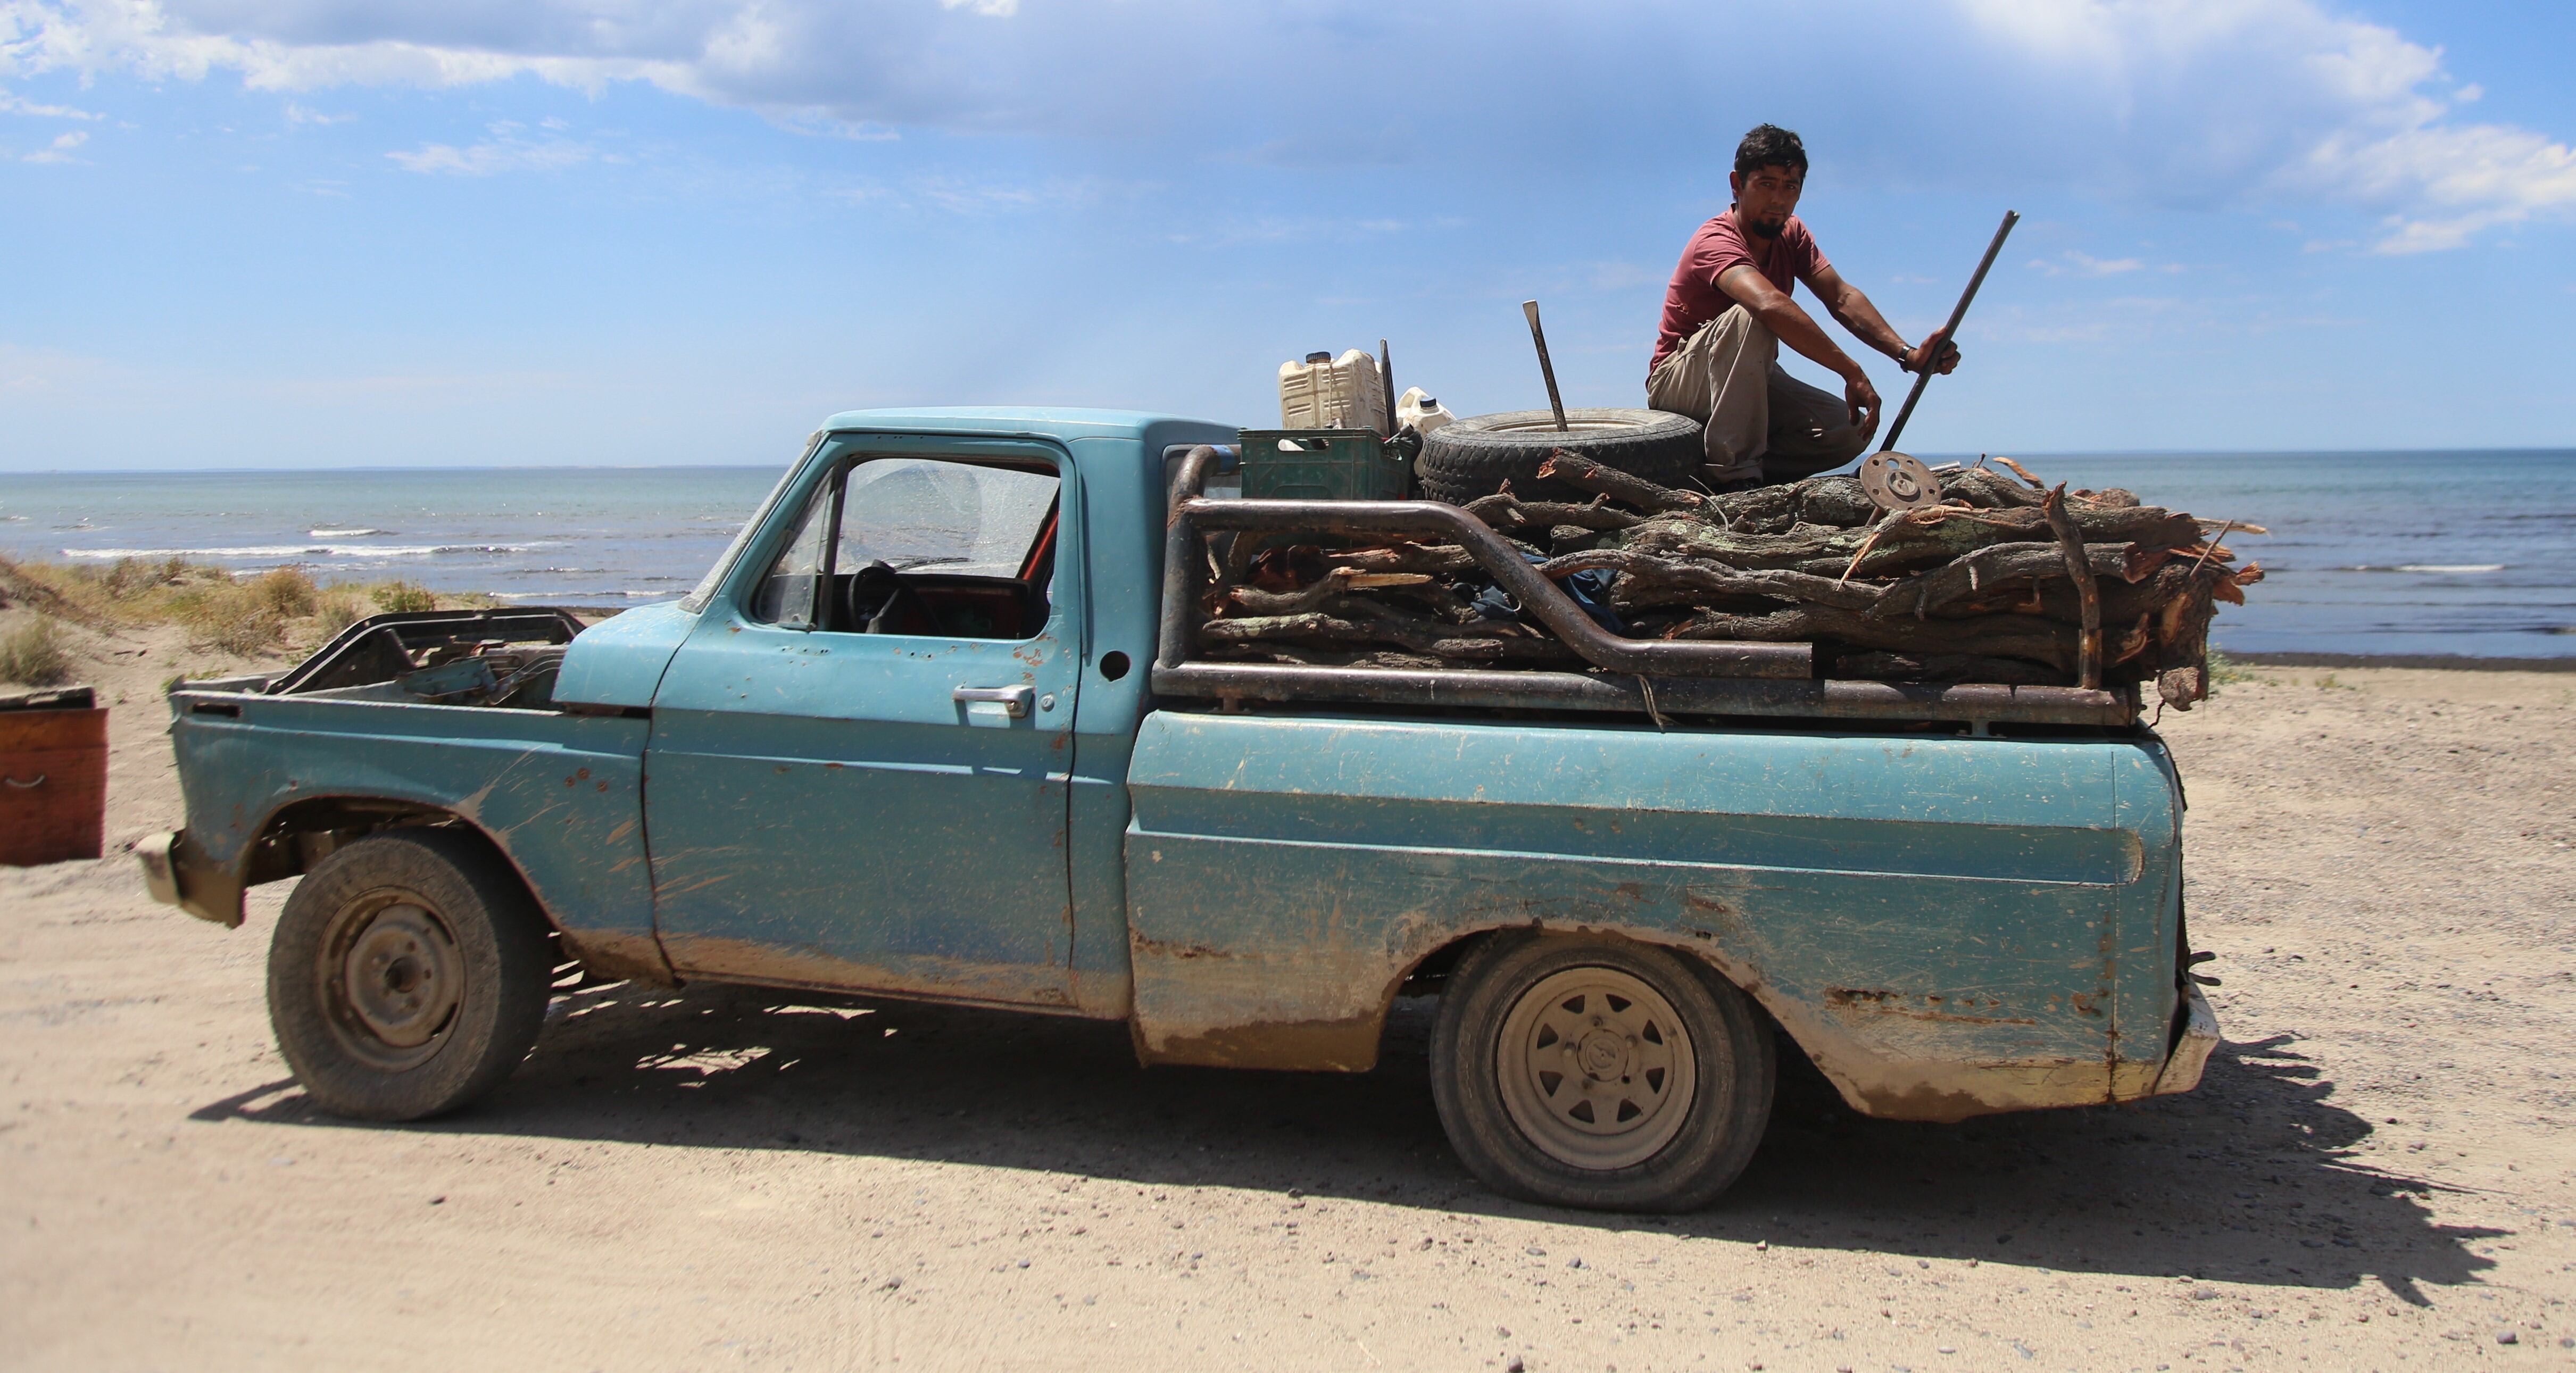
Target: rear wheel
(408, 975)
(1600, 1073)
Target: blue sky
(312, 232)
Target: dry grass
(399, 596)
(34, 654)
(338, 610)
(247, 615)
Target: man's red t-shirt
(1695, 298)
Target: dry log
(1506, 512)
(1903, 542)
(2079, 570)
(2001, 582)
(1942, 667)
(2005, 564)
(2056, 599)
(1838, 500)
(1442, 641)
(1627, 488)
(1999, 636)
(1987, 490)
(1332, 584)
(1348, 618)
(1438, 559)
(1640, 571)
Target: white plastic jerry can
(1326, 392)
(1423, 412)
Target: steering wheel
(879, 601)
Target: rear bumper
(2191, 1052)
(177, 874)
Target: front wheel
(1599, 1073)
(408, 975)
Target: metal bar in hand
(1546, 368)
(1950, 331)
(1386, 383)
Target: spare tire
(1473, 457)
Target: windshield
(698, 595)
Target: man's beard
(1768, 227)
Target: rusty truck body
(922, 732)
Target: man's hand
(1936, 351)
(1862, 399)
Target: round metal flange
(1596, 1068)
(393, 978)
(1899, 481)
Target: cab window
(920, 546)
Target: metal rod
(1950, 331)
(1536, 594)
(1386, 383)
(1184, 558)
(1517, 690)
(1546, 368)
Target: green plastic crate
(1321, 465)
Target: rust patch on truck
(1961, 1010)
(1331, 1046)
(620, 957)
(1170, 948)
(916, 977)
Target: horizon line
(2033, 454)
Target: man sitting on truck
(1727, 312)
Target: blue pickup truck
(933, 728)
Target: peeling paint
(916, 977)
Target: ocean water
(2376, 553)
(2383, 553)
(591, 536)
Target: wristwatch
(1904, 350)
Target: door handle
(1013, 700)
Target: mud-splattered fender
(560, 795)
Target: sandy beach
(2376, 1173)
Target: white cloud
(60, 150)
(2074, 263)
(2248, 103)
(2455, 181)
(504, 151)
(2284, 100)
(11, 104)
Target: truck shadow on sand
(2258, 1177)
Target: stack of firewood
(2005, 580)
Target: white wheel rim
(1596, 1068)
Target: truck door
(857, 774)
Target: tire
(1503, 1026)
(1473, 457)
(408, 976)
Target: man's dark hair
(1769, 145)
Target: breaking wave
(289, 550)
(2446, 568)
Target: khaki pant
(1763, 425)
